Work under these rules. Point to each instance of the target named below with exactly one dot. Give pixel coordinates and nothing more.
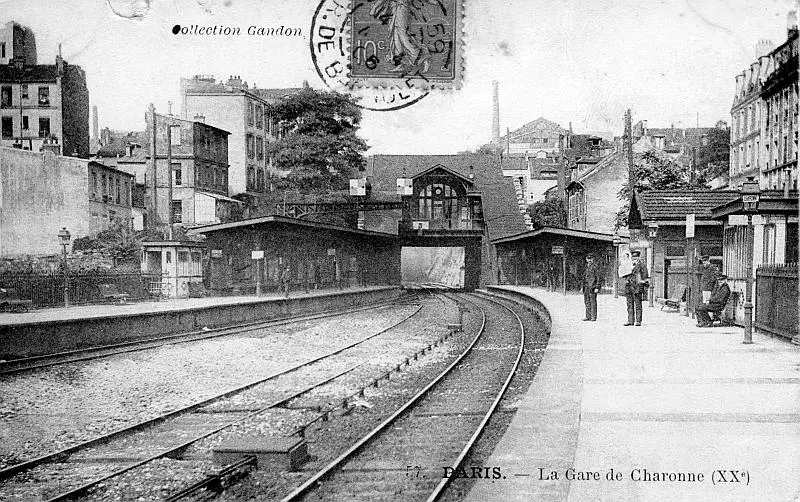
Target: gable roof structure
(500, 212)
(673, 205)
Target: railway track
(414, 453)
(91, 353)
(137, 440)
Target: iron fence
(776, 299)
(47, 289)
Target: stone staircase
(522, 204)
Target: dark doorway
(440, 265)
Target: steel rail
(29, 464)
(341, 459)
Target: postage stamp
(389, 53)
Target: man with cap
(592, 281)
(708, 277)
(717, 302)
(635, 287)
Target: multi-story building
(241, 110)
(17, 41)
(537, 138)
(39, 102)
(196, 155)
(43, 192)
(764, 140)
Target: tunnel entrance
(436, 265)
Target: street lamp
(750, 196)
(616, 240)
(63, 237)
(652, 233)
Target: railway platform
(665, 411)
(50, 330)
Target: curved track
(412, 453)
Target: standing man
(708, 277)
(286, 276)
(592, 281)
(716, 302)
(635, 289)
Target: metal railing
(47, 289)
(776, 299)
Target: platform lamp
(63, 237)
(616, 240)
(652, 233)
(750, 195)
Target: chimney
(764, 47)
(95, 126)
(51, 145)
(495, 113)
(169, 108)
(200, 118)
(791, 24)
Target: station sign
(358, 186)
(331, 251)
(405, 186)
(750, 198)
(557, 250)
(690, 225)
(420, 225)
(216, 253)
(257, 255)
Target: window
(2, 50)
(24, 91)
(769, 244)
(177, 211)
(94, 185)
(44, 127)
(260, 117)
(250, 112)
(44, 96)
(177, 175)
(126, 194)
(175, 135)
(8, 127)
(119, 192)
(112, 215)
(260, 179)
(260, 148)
(250, 146)
(5, 95)
(25, 123)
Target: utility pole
(154, 137)
(169, 176)
(629, 148)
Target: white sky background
(579, 61)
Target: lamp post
(652, 233)
(63, 237)
(616, 240)
(750, 195)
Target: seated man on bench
(719, 297)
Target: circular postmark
(334, 53)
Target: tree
(320, 148)
(653, 171)
(714, 154)
(549, 212)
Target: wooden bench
(110, 292)
(11, 302)
(674, 304)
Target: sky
(571, 61)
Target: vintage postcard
(399, 250)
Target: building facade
(536, 138)
(17, 41)
(196, 156)
(40, 193)
(39, 102)
(241, 110)
(764, 115)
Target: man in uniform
(635, 288)
(708, 277)
(716, 303)
(592, 281)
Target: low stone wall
(534, 305)
(40, 338)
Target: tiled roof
(676, 204)
(30, 73)
(500, 211)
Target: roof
(567, 232)
(30, 73)
(94, 163)
(283, 220)
(660, 205)
(499, 201)
(770, 202)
